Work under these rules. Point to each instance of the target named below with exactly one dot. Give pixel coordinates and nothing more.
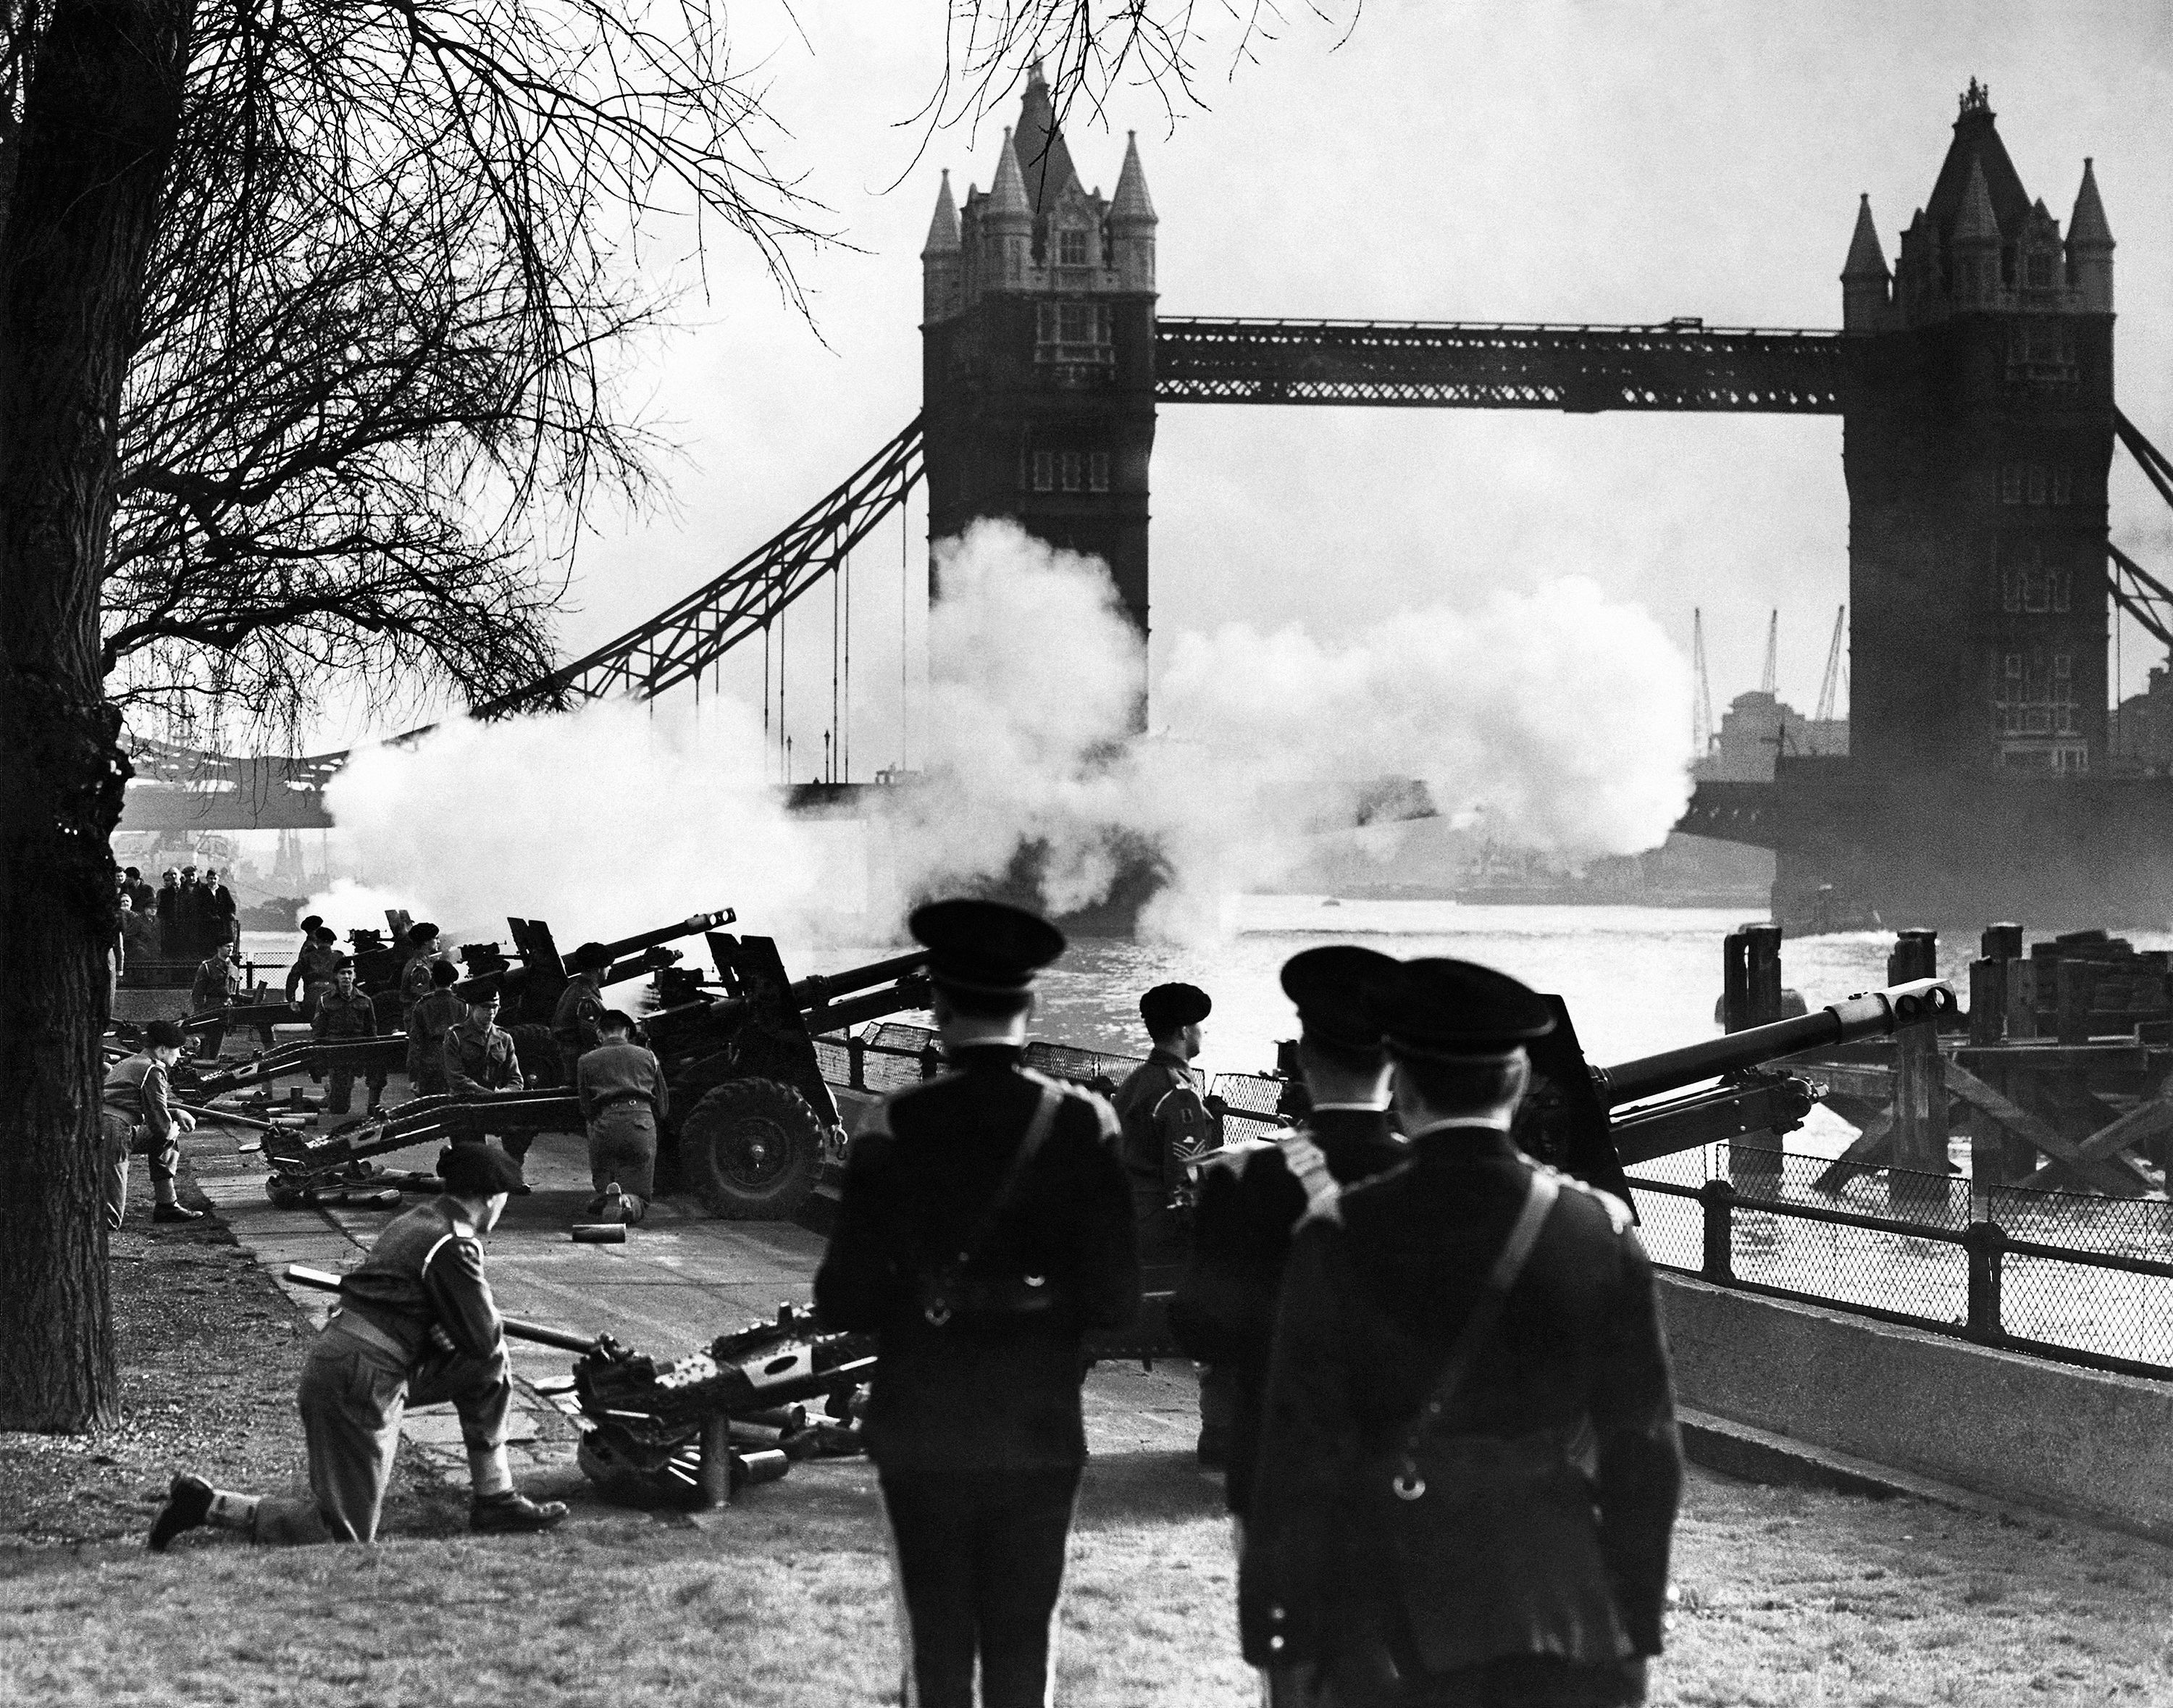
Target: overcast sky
(1571, 160)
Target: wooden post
(1751, 996)
(2022, 998)
(1735, 980)
(1987, 1010)
(1920, 1114)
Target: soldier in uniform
(422, 956)
(478, 1057)
(218, 977)
(299, 966)
(1468, 1468)
(985, 1225)
(1252, 1198)
(316, 970)
(622, 1097)
(574, 1021)
(346, 1012)
(1164, 1123)
(435, 1015)
(416, 1326)
(138, 1119)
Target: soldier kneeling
(623, 1098)
(416, 1326)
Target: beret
(477, 1170)
(312, 922)
(1168, 1006)
(986, 947)
(421, 933)
(1454, 1011)
(444, 973)
(162, 1034)
(1328, 987)
(588, 958)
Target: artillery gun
(751, 1124)
(1590, 1121)
(691, 1431)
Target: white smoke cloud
(605, 822)
(1555, 714)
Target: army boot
(512, 1513)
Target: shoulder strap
(1540, 1195)
(1309, 1166)
(1007, 1188)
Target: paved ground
(681, 1280)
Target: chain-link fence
(2075, 1276)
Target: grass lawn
(1789, 1597)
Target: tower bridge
(1974, 382)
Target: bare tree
(301, 283)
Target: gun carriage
(690, 1431)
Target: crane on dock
(1830, 687)
(1701, 698)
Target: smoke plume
(1555, 714)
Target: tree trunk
(99, 124)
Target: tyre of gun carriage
(751, 1150)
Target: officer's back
(1505, 1537)
(922, 1176)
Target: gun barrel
(1874, 1014)
(692, 926)
(825, 986)
(874, 1005)
(325, 1281)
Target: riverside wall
(2084, 1443)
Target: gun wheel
(537, 1054)
(752, 1150)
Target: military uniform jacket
(1162, 1122)
(424, 1272)
(352, 1016)
(216, 979)
(621, 1073)
(574, 1021)
(920, 1175)
(435, 1015)
(480, 1059)
(1250, 1205)
(1372, 1303)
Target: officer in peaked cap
(1356, 1578)
(1251, 1197)
(984, 1227)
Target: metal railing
(2007, 1269)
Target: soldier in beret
(416, 1326)
(1469, 1465)
(580, 1007)
(985, 1225)
(1165, 1124)
(1251, 1198)
(437, 1014)
(139, 1117)
(345, 1013)
(415, 984)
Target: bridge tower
(1976, 456)
(1038, 335)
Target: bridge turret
(2089, 248)
(1038, 387)
(1006, 226)
(942, 272)
(1132, 224)
(1864, 297)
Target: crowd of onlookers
(189, 917)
